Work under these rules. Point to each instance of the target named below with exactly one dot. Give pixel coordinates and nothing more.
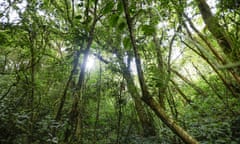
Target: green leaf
(126, 42)
(108, 8)
(120, 7)
(151, 45)
(78, 17)
(148, 29)
(4, 38)
(113, 20)
(121, 25)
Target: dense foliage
(119, 71)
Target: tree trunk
(213, 26)
(32, 41)
(222, 37)
(146, 95)
(63, 98)
(195, 87)
(80, 82)
(145, 119)
(159, 111)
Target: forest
(119, 71)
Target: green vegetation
(119, 72)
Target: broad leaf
(148, 29)
(108, 8)
(113, 20)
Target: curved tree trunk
(223, 39)
(145, 119)
(159, 111)
(213, 26)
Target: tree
(163, 71)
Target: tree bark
(145, 119)
(211, 48)
(146, 95)
(214, 27)
(222, 37)
(63, 97)
(77, 94)
(32, 37)
(224, 41)
(159, 111)
(195, 87)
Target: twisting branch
(159, 111)
(136, 53)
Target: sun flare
(90, 63)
